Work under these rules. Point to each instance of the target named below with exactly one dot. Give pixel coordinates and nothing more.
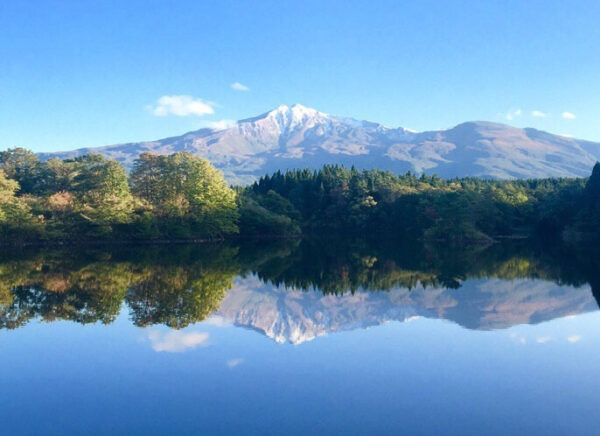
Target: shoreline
(116, 242)
(199, 241)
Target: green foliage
(55, 175)
(347, 201)
(23, 166)
(16, 220)
(256, 220)
(592, 188)
(181, 196)
(586, 225)
(176, 196)
(188, 193)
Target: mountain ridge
(300, 137)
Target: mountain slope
(299, 137)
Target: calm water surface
(300, 338)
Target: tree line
(179, 196)
(346, 201)
(183, 197)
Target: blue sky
(89, 73)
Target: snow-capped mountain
(300, 137)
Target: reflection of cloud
(543, 339)
(176, 341)
(517, 338)
(574, 338)
(217, 321)
(232, 363)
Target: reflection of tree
(183, 285)
(177, 296)
(337, 267)
(342, 266)
(52, 291)
(175, 287)
(180, 285)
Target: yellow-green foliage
(179, 196)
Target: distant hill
(300, 137)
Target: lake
(300, 337)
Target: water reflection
(295, 291)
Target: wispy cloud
(518, 338)
(176, 341)
(219, 125)
(511, 115)
(543, 339)
(181, 106)
(232, 363)
(237, 86)
(574, 338)
(539, 114)
(568, 115)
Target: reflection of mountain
(297, 316)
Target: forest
(181, 197)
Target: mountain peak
(290, 117)
(284, 114)
(297, 136)
(296, 111)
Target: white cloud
(181, 106)
(543, 339)
(176, 341)
(237, 86)
(232, 363)
(539, 114)
(511, 115)
(574, 338)
(219, 125)
(568, 115)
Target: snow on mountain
(299, 137)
